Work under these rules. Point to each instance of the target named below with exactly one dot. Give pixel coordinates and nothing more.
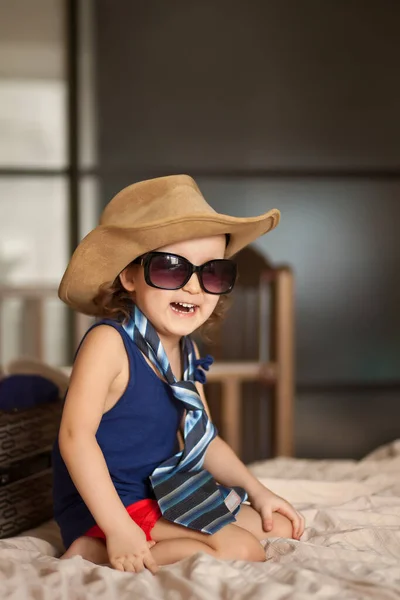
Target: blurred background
(267, 103)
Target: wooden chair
(254, 352)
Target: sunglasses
(171, 272)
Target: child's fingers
(123, 564)
(133, 566)
(288, 511)
(151, 564)
(298, 526)
(137, 564)
(302, 525)
(266, 517)
(117, 564)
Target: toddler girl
(125, 491)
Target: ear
(127, 278)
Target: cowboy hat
(143, 217)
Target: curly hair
(115, 302)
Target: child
(124, 492)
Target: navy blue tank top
(136, 435)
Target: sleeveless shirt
(136, 435)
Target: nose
(193, 285)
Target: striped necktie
(186, 493)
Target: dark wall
(227, 84)
(288, 104)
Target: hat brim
(107, 250)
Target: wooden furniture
(254, 344)
(34, 301)
(259, 324)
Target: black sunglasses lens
(219, 276)
(167, 271)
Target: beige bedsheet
(350, 549)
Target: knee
(77, 547)
(251, 550)
(238, 544)
(90, 548)
(282, 527)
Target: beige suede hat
(143, 217)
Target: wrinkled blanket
(350, 548)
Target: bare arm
(221, 461)
(96, 377)
(96, 369)
(227, 469)
(223, 464)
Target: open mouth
(183, 307)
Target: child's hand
(266, 502)
(128, 550)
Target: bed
(350, 548)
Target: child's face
(162, 307)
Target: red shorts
(145, 513)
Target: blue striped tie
(186, 493)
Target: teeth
(190, 307)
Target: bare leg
(90, 548)
(174, 542)
(164, 552)
(249, 519)
(229, 543)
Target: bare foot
(90, 548)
